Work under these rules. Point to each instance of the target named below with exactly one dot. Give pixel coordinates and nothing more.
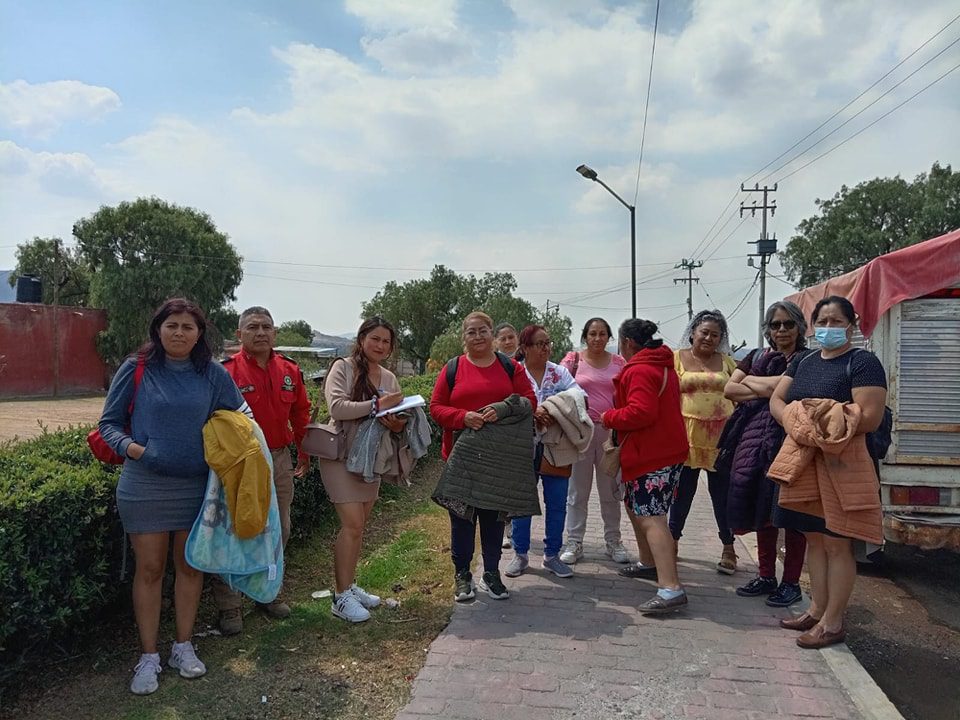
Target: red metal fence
(47, 351)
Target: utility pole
(766, 246)
(56, 318)
(556, 307)
(689, 266)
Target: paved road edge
(853, 678)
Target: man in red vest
(273, 387)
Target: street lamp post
(591, 174)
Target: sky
(344, 144)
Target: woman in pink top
(594, 369)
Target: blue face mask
(831, 338)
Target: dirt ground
(904, 628)
(25, 419)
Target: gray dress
(163, 490)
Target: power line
(881, 79)
(746, 296)
(727, 238)
(697, 250)
(858, 113)
(646, 104)
(867, 127)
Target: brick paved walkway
(578, 648)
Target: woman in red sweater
(653, 448)
(481, 379)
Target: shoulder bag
(610, 459)
(98, 446)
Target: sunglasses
(785, 324)
(543, 344)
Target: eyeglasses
(785, 324)
(482, 332)
(542, 344)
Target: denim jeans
(718, 484)
(555, 511)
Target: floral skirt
(653, 493)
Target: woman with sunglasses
(751, 440)
(547, 379)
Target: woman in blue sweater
(161, 487)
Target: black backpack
(452, 365)
(878, 441)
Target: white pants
(608, 490)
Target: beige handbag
(324, 440)
(610, 460)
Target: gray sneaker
(516, 566)
(145, 674)
(557, 567)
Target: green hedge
(61, 542)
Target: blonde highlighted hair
(477, 315)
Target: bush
(61, 541)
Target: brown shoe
(277, 609)
(802, 623)
(728, 561)
(817, 638)
(230, 621)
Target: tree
(427, 313)
(147, 251)
(55, 265)
(295, 332)
(873, 218)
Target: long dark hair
(363, 388)
(591, 321)
(152, 349)
(641, 332)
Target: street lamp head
(588, 172)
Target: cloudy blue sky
(386, 136)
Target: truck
(909, 307)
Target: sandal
(638, 571)
(658, 605)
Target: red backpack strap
(137, 379)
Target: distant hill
(7, 293)
(343, 345)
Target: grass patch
(310, 665)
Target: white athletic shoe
(145, 674)
(618, 553)
(368, 600)
(346, 606)
(572, 552)
(184, 658)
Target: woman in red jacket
(482, 377)
(653, 448)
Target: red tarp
(904, 274)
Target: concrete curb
(853, 678)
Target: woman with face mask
(705, 366)
(842, 374)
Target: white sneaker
(618, 553)
(572, 552)
(347, 607)
(184, 658)
(366, 599)
(145, 674)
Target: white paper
(408, 403)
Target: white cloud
(42, 108)
(421, 51)
(392, 15)
(65, 174)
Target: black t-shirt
(814, 377)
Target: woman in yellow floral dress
(704, 366)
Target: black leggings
(463, 535)
(718, 484)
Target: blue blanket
(253, 566)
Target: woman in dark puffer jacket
(750, 442)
